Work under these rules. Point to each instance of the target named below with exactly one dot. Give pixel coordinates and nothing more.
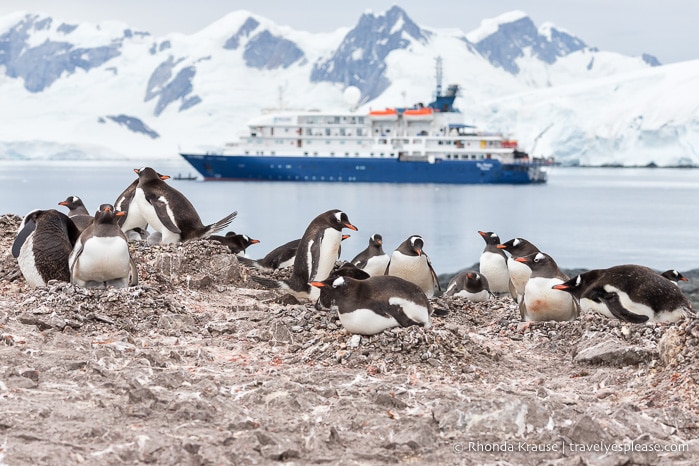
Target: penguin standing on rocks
(101, 255)
(632, 293)
(43, 243)
(493, 263)
(410, 262)
(237, 243)
(77, 212)
(133, 220)
(373, 260)
(369, 306)
(519, 273)
(542, 300)
(316, 255)
(471, 285)
(169, 212)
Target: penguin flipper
(160, 208)
(395, 311)
(22, 235)
(513, 290)
(435, 279)
(133, 273)
(619, 311)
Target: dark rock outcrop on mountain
(360, 60)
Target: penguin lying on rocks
(236, 243)
(369, 306)
(632, 293)
(542, 300)
(471, 285)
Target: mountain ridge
(142, 95)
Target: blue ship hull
(363, 170)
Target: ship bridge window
(306, 154)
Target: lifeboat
(424, 113)
(386, 114)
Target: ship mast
(438, 76)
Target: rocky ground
(198, 365)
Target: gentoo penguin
(471, 285)
(237, 243)
(373, 260)
(632, 293)
(169, 212)
(341, 269)
(369, 306)
(542, 300)
(674, 276)
(410, 262)
(493, 263)
(133, 220)
(519, 273)
(101, 255)
(42, 246)
(315, 255)
(77, 212)
(280, 257)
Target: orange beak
(560, 287)
(350, 226)
(501, 246)
(521, 259)
(254, 241)
(317, 284)
(120, 213)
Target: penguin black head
(518, 247)
(674, 275)
(107, 214)
(579, 284)
(417, 244)
(490, 238)
(376, 240)
(149, 174)
(339, 220)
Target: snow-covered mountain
(104, 90)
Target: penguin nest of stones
(198, 289)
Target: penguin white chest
(376, 265)
(543, 303)
(103, 259)
(134, 218)
(494, 267)
(151, 216)
(27, 264)
(413, 269)
(327, 254)
(519, 274)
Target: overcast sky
(667, 29)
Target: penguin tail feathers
(218, 226)
(252, 263)
(271, 284)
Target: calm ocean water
(583, 217)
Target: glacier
(99, 91)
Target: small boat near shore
(422, 144)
